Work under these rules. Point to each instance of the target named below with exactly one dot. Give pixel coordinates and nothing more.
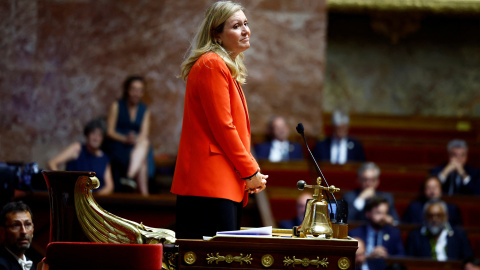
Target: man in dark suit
(16, 233)
(381, 239)
(437, 235)
(456, 176)
(339, 148)
(298, 219)
(362, 262)
(368, 179)
(278, 148)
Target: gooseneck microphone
(301, 131)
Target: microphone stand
(300, 130)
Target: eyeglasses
(18, 226)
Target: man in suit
(16, 233)
(381, 239)
(278, 148)
(437, 235)
(301, 204)
(362, 262)
(339, 148)
(456, 176)
(368, 179)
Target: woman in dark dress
(128, 125)
(88, 156)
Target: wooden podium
(232, 252)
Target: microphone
(301, 131)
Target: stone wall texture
(432, 70)
(63, 62)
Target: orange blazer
(214, 152)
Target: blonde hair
(204, 41)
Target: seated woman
(128, 125)
(88, 156)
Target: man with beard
(16, 233)
(381, 239)
(437, 239)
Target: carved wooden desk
(266, 253)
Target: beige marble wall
(62, 63)
(434, 70)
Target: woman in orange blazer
(215, 170)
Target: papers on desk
(262, 231)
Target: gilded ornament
(305, 262)
(343, 263)
(190, 257)
(267, 260)
(229, 258)
(101, 226)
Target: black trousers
(204, 216)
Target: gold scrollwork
(169, 260)
(343, 263)
(190, 257)
(267, 260)
(229, 258)
(305, 262)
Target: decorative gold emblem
(229, 258)
(305, 262)
(267, 260)
(190, 257)
(343, 263)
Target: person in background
(278, 148)
(471, 263)
(88, 156)
(362, 262)
(16, 234)
(436, 239)
(128, 126)
(301, 203)
(339, 148)
(369, 180)
(215, 170)
(381, 239)
(456, 176)
(431, 189)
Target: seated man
(278, 148)
(437, 239)
(431, 190)
(364, 263)
(456, 176)
(301, 203)
(339, 148)
(368, 179)
(16, 234)
(381, 239)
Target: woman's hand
(257, 183)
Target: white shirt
(440, 249)
(23, 262)
(279, 151)
(338, 151)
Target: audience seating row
(393, 178)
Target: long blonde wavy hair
(204, 41)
